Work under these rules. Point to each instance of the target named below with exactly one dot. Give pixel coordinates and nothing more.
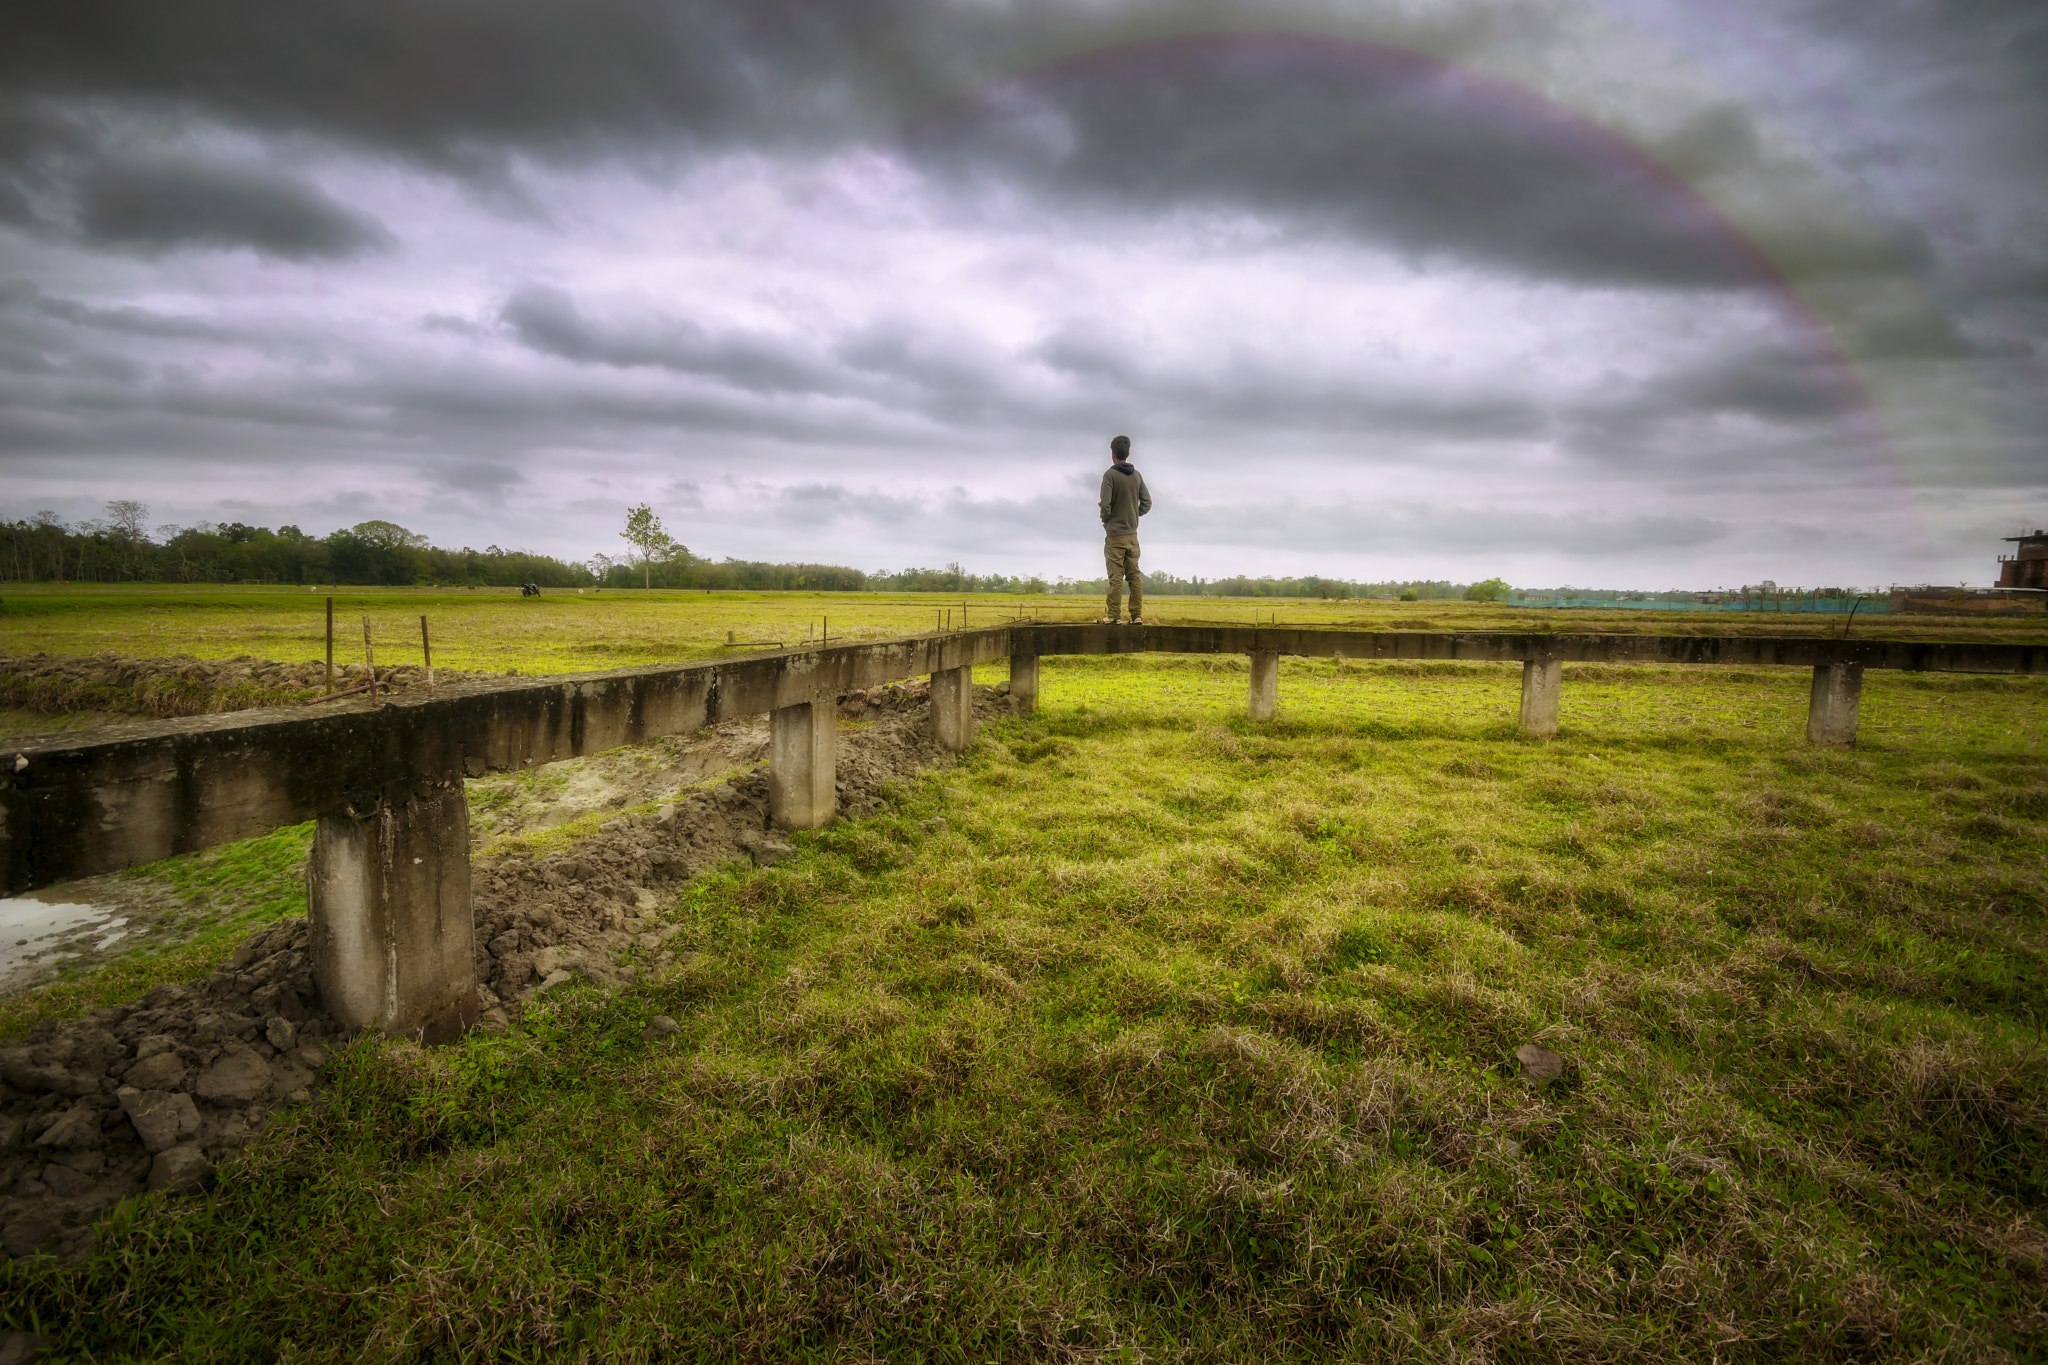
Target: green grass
(493, 630)
(1149, 1034)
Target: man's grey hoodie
(1124, 499)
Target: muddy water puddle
(36, 935)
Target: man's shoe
(1137, 620)
(1106, 621)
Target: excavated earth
(151, 1096)
(45, 693)
(242, 671)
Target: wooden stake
(427, 648)
(335, 696)
(370, 658)
(330, 644)
(826, 634)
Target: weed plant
(151, 697)
(1149, 1034)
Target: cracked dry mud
(153, 1095)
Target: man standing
(1124, 499)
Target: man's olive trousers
(1120, 557)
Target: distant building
(2028, 568)
(2022, 587)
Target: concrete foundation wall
(389, 877)
(73, 806)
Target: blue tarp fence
(1812, 606)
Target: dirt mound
(148, 1096)
(507, 804)
(578, 908)
(151, 1095)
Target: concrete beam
(1265, 691)
(1542, 680)
(803, 746)
(1514, 647)
(1024, 683)
(1831, 709)
(953, 708)
(75, 806)
(394, 935)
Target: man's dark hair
(1120, 446)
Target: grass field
(1147, 1034)
(493, 630)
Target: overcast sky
(1608, 292)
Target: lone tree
(128, 527)
(1492, 590)
(643, 532)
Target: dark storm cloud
(455, 82)
(1363, 141)
(106, 178)
(156, 207)
(1375, 146)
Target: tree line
(122, 547)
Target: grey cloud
(1266, 393)
(132, 321)
(1767, 384)
(549, 320)
(487, 479)
(1079, 376)
(1366, 528)
(1337, 526)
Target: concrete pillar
(1542, 679)
(1265, 684)
(1024, 683)
(953, 708)
(394, 934)
(803, 747)
(1831, 711)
